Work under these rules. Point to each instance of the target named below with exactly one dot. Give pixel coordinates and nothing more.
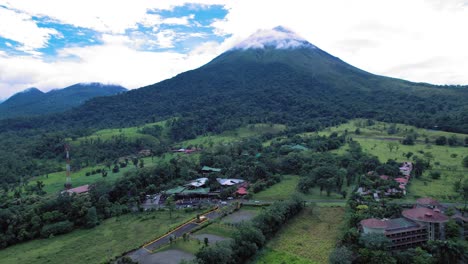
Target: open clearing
(308, 238)
(111, 238)
(53, 182)
(242, 215)
(446, 159)
(235, 135)
(287, 187)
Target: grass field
(54, 181)
(111, 238)
(446, 159)
(128, 132)
(308, 238)
(231, 136)
(287, 187)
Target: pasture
(306, 239)
(107, 240)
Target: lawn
(287, 187)
(128, 132)
(449, 159)
(217, 229)
(308, 238)
(446, 159)
(235, 135)
(111, 238)
(54, 181)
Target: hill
(32, 101)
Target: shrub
(435, 175)
(57, 228)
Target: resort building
(425, 221)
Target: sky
(52, 44)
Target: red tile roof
(427, 201)
(80, 189)
(374, 223)
(401, 180)
(427, 215)
(242, 191)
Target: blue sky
(54, 43)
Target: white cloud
(113, 62)
(185, 20)
(21, 28)
(107, 16)
(418, 40)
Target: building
(198, 182)
(433, 219)
(406, 168)
(402, 232)
(79, 190)
(425, 221)
(229, 182)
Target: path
(147, 250)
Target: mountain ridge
(32, 101)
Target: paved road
(144, 252)
(176, 233)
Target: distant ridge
(32, 101)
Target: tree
(419, 166)
(452, 230)
(142, 163)
(461, 188)
(465, 162)
(453, 140)
(392, 145)
(341, 255)
(441, 140)
(39, 187)
(375, 241)
(91, 217)
(408, 140)
(135, 162)
(170, 204)
(219, 253)
(435, 175)
(450, 251)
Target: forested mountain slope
(32, 101)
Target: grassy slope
(287, 187)
(111, 238)
(373, 140)
(308, 238)
(128, 132)
(231, 136)
(54, 181)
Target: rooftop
(427, 201)
(426, 215)
(374, 223)
(79, 189)
(198, 182)
(390, 225)
(229, 182)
